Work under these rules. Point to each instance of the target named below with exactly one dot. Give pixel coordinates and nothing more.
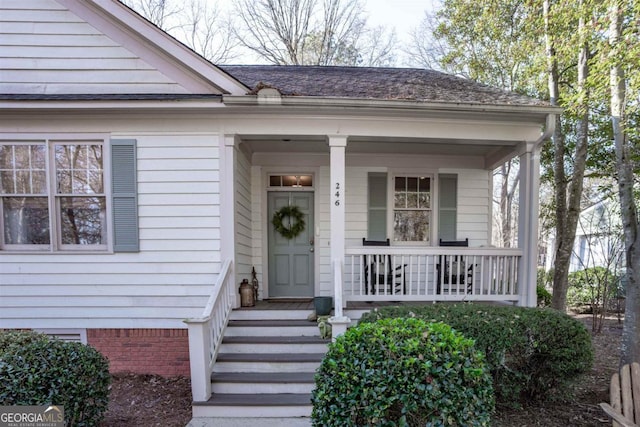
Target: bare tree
(207, 32)
(507, 180)
(425, 50)
(276, 29)
(198, 23)
(312, 32)
(377, 47)
(160, 12)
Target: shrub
(18, 338)
(544, 296)
(41, 372)
(402, 372)
(532, 353)
(592, 287)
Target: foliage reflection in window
(412, 209)
(77, 198)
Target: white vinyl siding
(243, 245)
(46, 49)
(170, 279)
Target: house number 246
(337, 194)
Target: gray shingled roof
(374, 83)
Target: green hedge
(39, 371)
(402, 372)
(532, 353)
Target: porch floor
(307, 304)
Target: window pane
(83, 220)
(306, 181)
(401, 184)
(289, 181)
(26, 221)
(274, 181)
(411, 226)
(400, 200)
(6, 157)
(7, 182)
(424, 200)
(21, 156)
(412, 184)
(412, 200)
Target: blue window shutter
(124, 195)
(448, 209)
(377, 218)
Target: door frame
(265, 220)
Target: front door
(291, 260)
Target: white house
(139, 186)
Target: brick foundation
(143, 351)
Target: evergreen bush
(532, 353)
(402, 372)
(41, 371)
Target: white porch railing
(431, 274)
(206, 332)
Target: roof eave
(539, 111)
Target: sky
(403, 15)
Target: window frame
(391, 208)
(50, 141)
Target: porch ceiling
(380, 145)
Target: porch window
(53, 195)
(412, 209)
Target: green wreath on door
(296, 221)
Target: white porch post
(228, 146)
(528, 225)
(337, 146)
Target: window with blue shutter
(124, 195)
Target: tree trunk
(630, 349)
(568, 197)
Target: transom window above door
(293, 181)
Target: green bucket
(323, 305)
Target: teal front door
(291, 260)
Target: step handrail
(206, 333)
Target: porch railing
(206, 332)
(431, 274)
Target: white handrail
(206, 332)
(222, 277)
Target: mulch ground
(150, 401)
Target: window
(295, 181)
(52, 195)
(412, 209)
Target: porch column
(228, 146)
(337, 146)
(528, 225)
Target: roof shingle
(374, 83)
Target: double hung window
(412, 209)
(412, 212)
(52, 195)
